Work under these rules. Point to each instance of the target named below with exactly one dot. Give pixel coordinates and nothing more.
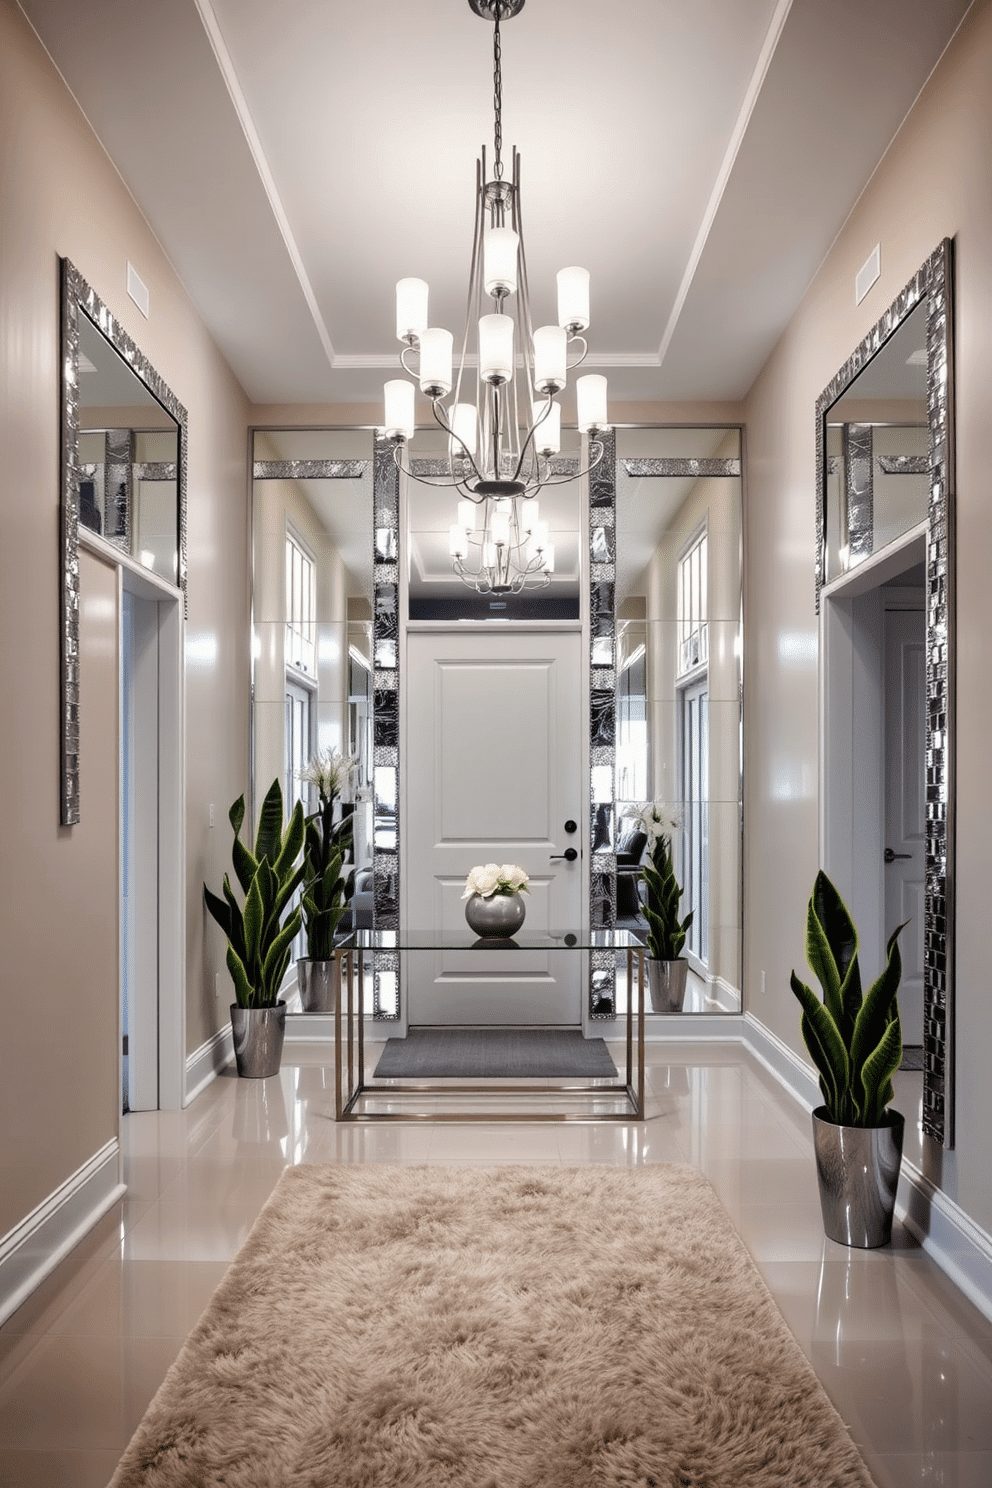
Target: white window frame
(692, 603)
(300, 605)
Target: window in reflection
(678, 595)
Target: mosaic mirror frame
(932, 285)
(78, 298)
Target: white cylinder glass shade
(529, 514)
(539, 536)
(573, 299)
(466, 515)
(411, 308)
(489, 555)
(457, 541)
(550, 358)
(590, 400)
(548, 558)
(499, 261)
(464, 422)
(435, 361)
(399, 398)
(500, 528)
(547, 435)
(496, 348)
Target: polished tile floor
(905, 1358)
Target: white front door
(904, 866)
(493, 762)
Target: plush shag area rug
(527, 1327)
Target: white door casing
(905, 803)
(494, 768)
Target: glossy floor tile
(903, 1355)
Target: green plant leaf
(292, 843)
(220, 910)
(243, 992)
(877, 1072)
(268, 838)
(274, 955)
(245, 865)
(236, 815)
(254, 920)
(236, 934)
(826, 1048)
(878, 1012)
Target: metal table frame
(351, 1085)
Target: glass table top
(463, 940)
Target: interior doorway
(152, 845)
(873, 738)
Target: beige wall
(59, 907)
(933, 182)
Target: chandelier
(499, 407)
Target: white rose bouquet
(491, 878)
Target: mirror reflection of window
(679, 595)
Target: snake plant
(854, 1039)
(258, 938)
(667, 932)
(323, 884)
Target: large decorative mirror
(123, 477)
(885, 591)
(678, 687)
(658, 573)
(314, 657)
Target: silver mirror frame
(78, 298)
(933, 284)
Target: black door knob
(569, 855)
(891, 856)
(571, 826)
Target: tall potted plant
(324, 885)
(855, 1041)
(667, 967)
(259, 937)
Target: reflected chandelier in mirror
(123, 476)
(884, 494)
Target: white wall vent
(137, 289)
(868, 273)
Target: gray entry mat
(495, 1053)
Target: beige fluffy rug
(491, 1328)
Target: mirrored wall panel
(679, 687)
(316, 650)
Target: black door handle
(891, 856)
(569, 855)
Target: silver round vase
(316, 984)
(858, 1171)
(497, 918)
(666, 984)
(258, 1036)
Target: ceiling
(296, 158)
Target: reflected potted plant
(260, 933)
(324, 887)
(667, 967)
(495, 909)
(855, 1041)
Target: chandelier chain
(497, 97)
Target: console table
(353, 1088)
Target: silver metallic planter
(858, 1170)
(495, 918)
(318, 989)
(666, 984)
(258, 1035)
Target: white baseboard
(206, 1062)
(33, 1248)
(948, 1235)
